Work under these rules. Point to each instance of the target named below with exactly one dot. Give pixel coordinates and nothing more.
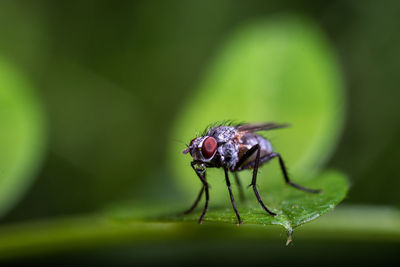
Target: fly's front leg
(287, 179)
(202, 176)
(195, 202)
(207, 199)
(228, 184)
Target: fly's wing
(255, 127)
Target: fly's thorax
(222, 133)
(229, 153)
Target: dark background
(142, 60)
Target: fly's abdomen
(249, 141)
(265, 146)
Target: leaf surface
(293, 207)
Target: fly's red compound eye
(209, 147)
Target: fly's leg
(287, 179)
(239, 184)
(195, 202)
(207, 199)
(202, 176)
(245, 157)
(254, 180)
(228, 183)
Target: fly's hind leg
(287, 179)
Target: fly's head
(202, 148)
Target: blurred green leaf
(22, 135)
(283, 70)
(94, 133)
(80, 233)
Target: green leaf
(294, 207)
(22, 135)
(283, 70)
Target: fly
(235, 148)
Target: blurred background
(100, 84)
